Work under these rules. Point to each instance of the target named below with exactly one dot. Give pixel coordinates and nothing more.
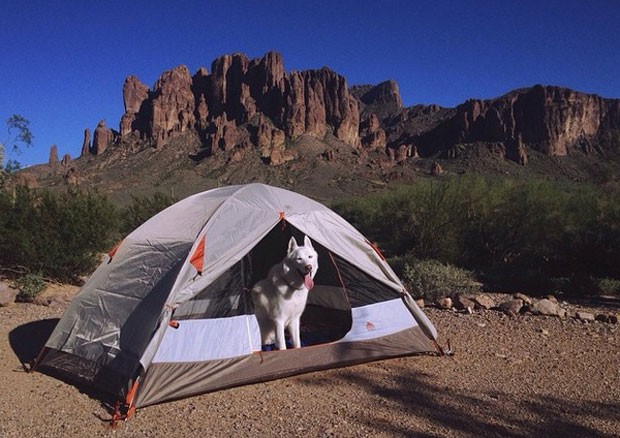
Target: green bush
(400, 263)
(142, 209)
(433, 280)
(608, 286)
(517, 234)
(422, 218)
(58, 235)
(61, 235)
(30, 285)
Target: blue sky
(63, 63)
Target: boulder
(518, 153)
(511, 307)
(347, 125)
(202, 112)
(601, 317)
(463, 303)
(445, 303)
(608, 318)
(526, 300)
(7, 294)
(548, 308)
(483, 301)
(552, 298)
(584, 316)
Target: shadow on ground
(607, 301)
(28, 340)
(456, 411)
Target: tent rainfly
(169, 313)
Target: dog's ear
(307, 242)
(292, 245)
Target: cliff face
(254, 103)
(217, 104)
(551, 120)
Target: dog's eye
(310, 256)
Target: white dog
(280, 299)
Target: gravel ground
(509, 377)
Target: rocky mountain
(241, 104)
(250, 119)
(551, 120)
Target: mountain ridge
(251, 117)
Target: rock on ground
(547, 307)
(7, 294)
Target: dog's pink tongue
(308, 282)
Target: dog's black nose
(309, 268)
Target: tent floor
(320, 325)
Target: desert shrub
(17, 213)
(30, 285)
(142, 209)
(608, 286)
(400, 263)
(58, 235)
(432, 280)
(591, 243)
(512, 232)
(422, 218)
(517, 234)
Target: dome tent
(169, 313)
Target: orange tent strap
(131, 393)
(282, 219)
(112, 252)
(198, 257)
(124, 411)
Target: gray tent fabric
(170, 307)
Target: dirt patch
(58, 290)
(509, 376)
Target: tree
(18, 133)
